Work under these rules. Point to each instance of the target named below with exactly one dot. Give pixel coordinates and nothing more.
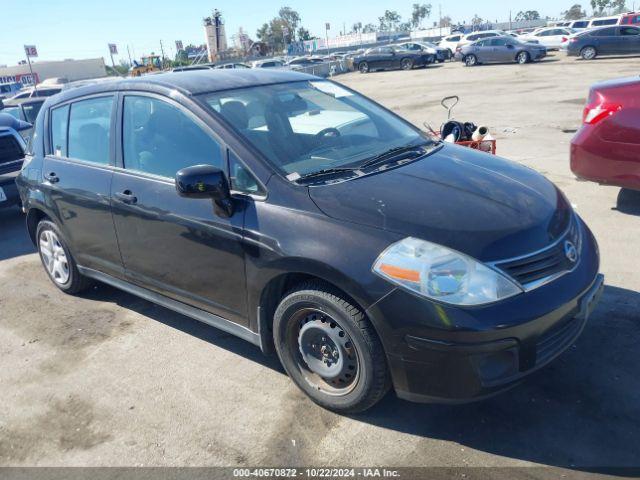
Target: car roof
(192, 82)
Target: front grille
(529, 269)
(10, 149)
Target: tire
(406, 64)
(470, 60)
(57, 259)
(588, 53)
(363, 67)
(522, 58)
(316, 325)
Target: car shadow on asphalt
(581, 411)
(105, 293)
(14, 239)
(628, 202)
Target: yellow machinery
(149, 64)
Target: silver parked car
(502, 49)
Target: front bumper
(445, 354)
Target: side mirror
(205, 181)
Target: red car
(606, 149)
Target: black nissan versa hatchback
(303, 217)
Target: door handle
(51, 177)
(126, 197)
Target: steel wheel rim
(54, 257)
(406, 64)
(589, 53)
(471, 60)
(522, 58)
(308, 326)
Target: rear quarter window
(89, 129)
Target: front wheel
(363, 67)
(588, 53)
(522, 58)
(406, 64)
(470, 61)
(57, 259)
(329, 349)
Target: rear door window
(605, 32)
(59, 124)
(160, 139)
(626, 31)
(90, 129)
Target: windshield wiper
(327, 171)
(392, 153)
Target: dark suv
(301, 216)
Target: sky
(78, 29)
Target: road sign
(327, 26)
(113, 49)
(179, 46)
(30, 50)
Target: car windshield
(13, 111)
(309, 126)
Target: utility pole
(326, 35)
(510, 26)
(129, 54)
(162, 52)
(440, 18)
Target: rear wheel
(363, 67)
(470, 61)
(329, 349)
(588, 53)
(57, 259)
(522, 58)
(406, 64)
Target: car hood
(478, 204)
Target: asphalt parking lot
(109, 379)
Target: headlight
(442, 274)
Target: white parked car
(450, 42)
(473, 36)
(604, 21)
(579, 25)
(551, 37)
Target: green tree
(599, 7)
(303, 34)
(291, 18)
(574, 13)
(618, 6)
(477, 20)
(445, 21)
(419, 13)
(389, 21)
(527, 15)
(356, 27)
(369, 28)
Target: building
(71, 70)
(215, 35)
